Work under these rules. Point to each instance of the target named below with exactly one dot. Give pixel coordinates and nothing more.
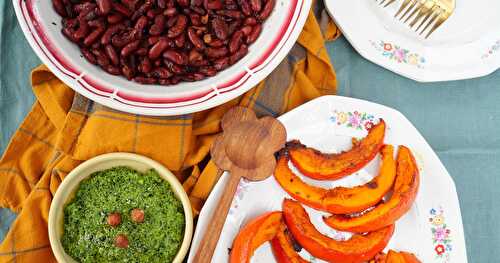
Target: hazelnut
(137, 215)
(121, 241)
(114, 219)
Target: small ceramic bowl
(70, 185)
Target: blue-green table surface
(460, 120)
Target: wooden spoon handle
(212, 232)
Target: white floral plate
(467, 45)
(432, 229)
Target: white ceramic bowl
(70, 184)
(42, 27)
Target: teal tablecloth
(460, 120)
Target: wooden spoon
(245, 149)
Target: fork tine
(409, 9)
(389, 2)
(424, 11)
(417, 9)
(429, 14)
(431, 21)
(403, 6)
(436, 25)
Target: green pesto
(88, 238)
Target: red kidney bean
(145, 80)
(141, 23)
(130, 4)
(216, 43)
(92, 37)
(113, 56)
(233, 26)
(179, 27)
(246, 30)
(183, 2)
(115, 18)
(194, 56)
(104, 6)
(128, 72)
(129, 48)
(123, 39)
(121, 9)
(83, 29)
(176, 69)
(142, 51)
(213, 4)
(195, 19)
(89, 56)
(161, 73)
(266, 11)
(220, 28)
(221, 64)
(180, 41)
(158, 48)
(256, 5)
(143, 9)
(172, 11)
(245, 7)
(161, 4)
(153, 40)
(250, 21)
(106, 37)
(158, 26)
(239, 54)
(216, 52)
(59, 7)
(236, 41)
(195, 39)
(230, 13)
(101, 58)
(257, 29)
(208, 71)
(145, 65)
(196, 2)
(200, 11)
(113, 70)
(176, 57)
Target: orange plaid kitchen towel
(64, 129)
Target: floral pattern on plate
(353, 119)
(494, 48)
(398, 54)
(441, 234)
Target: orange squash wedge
(253, 235)
(387, 213)
(359, 248)
(339, 200)
(323, 166)
(283, 248)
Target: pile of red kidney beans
(163, 41)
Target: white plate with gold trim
(432, 229)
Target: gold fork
(424, 13)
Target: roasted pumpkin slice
(339, 200)
(253, 235)
(384, 214)
(359, 248)
(323, 166)
(283, 247)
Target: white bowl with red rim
(42, 27)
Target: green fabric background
(460, 120)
